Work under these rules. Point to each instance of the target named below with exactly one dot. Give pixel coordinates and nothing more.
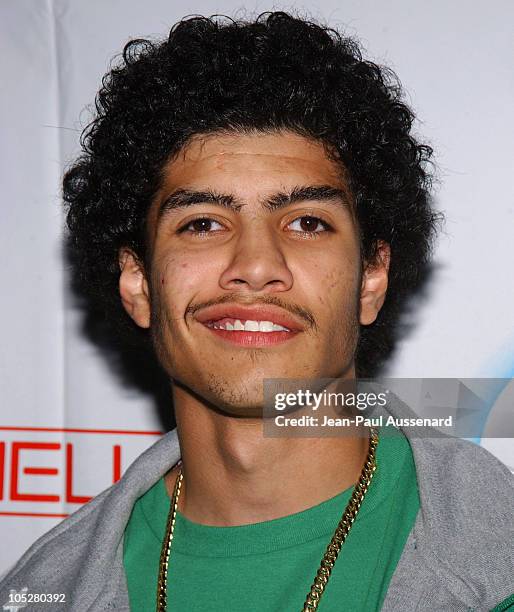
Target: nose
(258, 263)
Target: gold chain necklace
(331, 552)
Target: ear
(134, 287)
(374, 284)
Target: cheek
(340, 298)
(331, 278)
(181, 278)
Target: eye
(202, 225)
(308, 224)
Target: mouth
(250, 326)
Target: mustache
(246, 300)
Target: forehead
(251, 164)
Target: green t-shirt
(271, 565)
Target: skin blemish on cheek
(165, 270)
(184, 265)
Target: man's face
(255, 267)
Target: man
(252, 193)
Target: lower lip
(253, 339)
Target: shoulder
(466, 525)
(82, 556)
(51, 563)
(460, 482)
(460, 479)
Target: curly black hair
(276, 72)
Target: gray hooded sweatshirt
(458, 557)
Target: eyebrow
(182, 198)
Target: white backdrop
(68, 428)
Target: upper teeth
(249, 326)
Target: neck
(235, 476)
